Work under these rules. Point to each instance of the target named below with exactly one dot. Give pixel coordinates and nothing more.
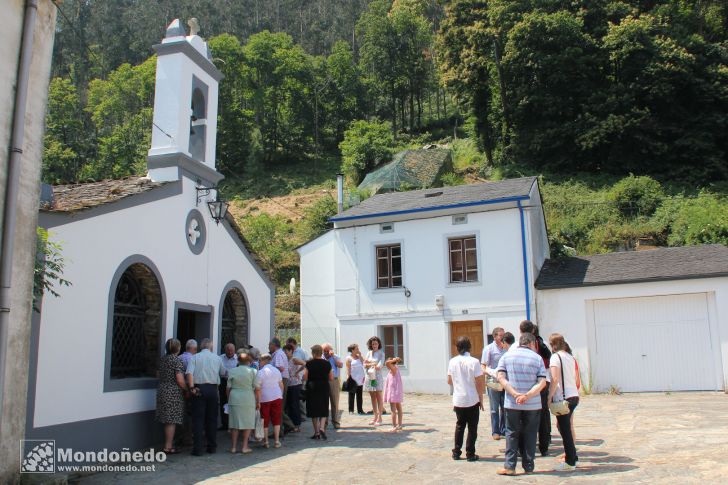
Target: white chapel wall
(73, 327)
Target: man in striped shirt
(523, 376)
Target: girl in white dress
(374, 382)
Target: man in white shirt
(203, 372)
(466, 377)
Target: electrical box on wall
(439, 301)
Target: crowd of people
(244, 390)
(525, 383)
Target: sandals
(277, 444)
(233, 450)
(316, 437)
(170, 451)
(266, 445)
(245, 452)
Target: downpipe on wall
(13, 182)
(525, 262)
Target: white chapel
(149, 258)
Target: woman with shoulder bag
(563, 388)
(355, 382)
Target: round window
(195, 231)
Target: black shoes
(473, 458)
(323, 436)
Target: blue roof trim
(429, 209)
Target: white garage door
(659, 343)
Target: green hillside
(621, 108)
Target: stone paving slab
(633, 438)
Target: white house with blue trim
(149, 258)
(420, 268)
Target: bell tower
(185, 107)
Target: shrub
(465, 154)
(316, 218)
(365, 145)
(637, 195)
(701, 220)
(270, 239)
(573, 212)
(451, 179)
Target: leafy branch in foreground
(48, 271)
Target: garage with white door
(641, 321)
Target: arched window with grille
(137, 316)
(127, 354)
(234, 321)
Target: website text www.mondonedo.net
(106, 468)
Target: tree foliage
(316, 220)
(296, 75)
(48, 271)
(603, 85)
(366, 144)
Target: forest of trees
(568, 86)
(594, 85)
(297, 73)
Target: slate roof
(635, 267)
(414, 168)
(418, 200)
(74, 197)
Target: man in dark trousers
(203, 377)
(544, 428)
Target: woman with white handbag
(563, 389)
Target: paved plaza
(632, 438)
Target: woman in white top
(563, 364)
(374, 381)
(355, 368)
(269, 381)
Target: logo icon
(37, 456)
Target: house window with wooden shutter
(463, 259)
(389, 266)
(393, 337)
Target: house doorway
(192, 324)
(469, 328)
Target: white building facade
(420, 268)
(147, 262)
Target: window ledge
(396, 289)
(130, 384)
(464, 283)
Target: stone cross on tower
(185, 107)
